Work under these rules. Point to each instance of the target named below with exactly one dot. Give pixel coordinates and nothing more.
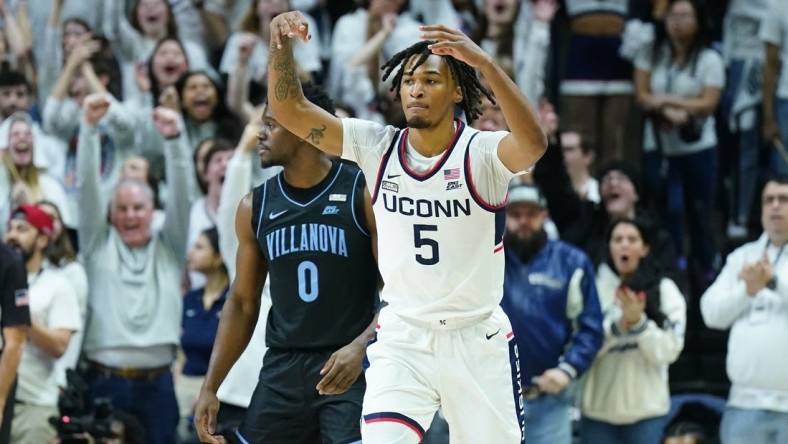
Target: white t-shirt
(53, 304)
(741, 34)
(366, 142)
(774, 30)
(687, 81)
(75, 274)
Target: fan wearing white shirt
(55, 317)
(750, 297)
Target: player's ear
(457, 96)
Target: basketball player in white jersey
(439, 190)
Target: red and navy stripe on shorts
(396, 418)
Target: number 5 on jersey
(421, 241)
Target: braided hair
(464, 75)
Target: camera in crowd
(81, 419)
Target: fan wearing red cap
(29, 231)
(55, 317)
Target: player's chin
(417, 122)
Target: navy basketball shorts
(286, 408)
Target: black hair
(218, 144)
(79, 22)
(405, 5)
(779, 179)
(699, 42)
(212, 234)
(172, 25)
(464, 75)
(318, 96)
(647, 278)
(228, 125)
(11, 77)
(155, 88)
(105, 64)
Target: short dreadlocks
(464, 75)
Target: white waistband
(446, 324)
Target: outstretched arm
(527, 142)
(285, 97)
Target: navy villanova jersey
(322, 272)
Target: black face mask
(526, 248)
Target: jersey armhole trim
(353, 204)
(262, 209)
(469, 178)
(382, 168)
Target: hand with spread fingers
(454, 43)
(287, 26)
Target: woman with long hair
(21, 181)
(626, 394)
(137, 36)
(205, 114)
(201, 310)
(678, 83)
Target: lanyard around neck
(779, 252)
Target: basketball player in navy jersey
(438, 194)
(309, 228)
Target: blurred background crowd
(665, 119)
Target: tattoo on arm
(315, 134)
(287, 82)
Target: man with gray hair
(134, 274)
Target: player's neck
(429, 142)
(308, 170)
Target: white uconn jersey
(439, 244)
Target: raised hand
(83, 52)
(248, 140)
(167, 122)
(245, 48)
(287, 26)
(169, 99)
(141, 76)
(632, 304)
(454, 43)
(389, 22)
(94, 107)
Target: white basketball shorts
(472, 372)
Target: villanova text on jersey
(306, 237)
(313, 241)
